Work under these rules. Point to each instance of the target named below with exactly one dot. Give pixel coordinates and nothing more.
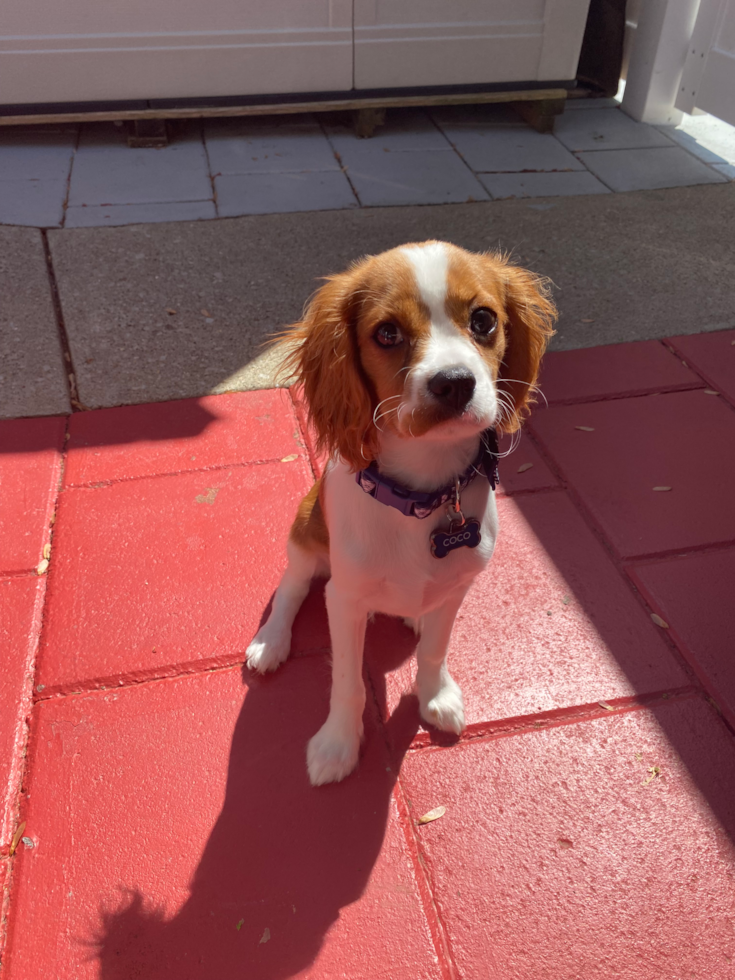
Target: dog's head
(426, 341)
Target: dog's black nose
(453, 387)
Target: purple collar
(419, 503)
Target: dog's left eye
(483, 322)
(388, 335)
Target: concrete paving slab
(100, 216)
(107, 171)
(510, 150)
(250, 146)
(605, 129)
(32, 203)
(32, 376)
(276, 193)
(625, 267)
(709, 138)
(542, 185)
(40, 153)
(437, 177)
(650, 169)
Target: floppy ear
(324, 357)
(531, 315)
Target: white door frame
(657, 58)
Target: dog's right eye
(388, 335)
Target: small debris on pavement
(290, 459)
(434, 814)
(654, 771)
(42, 567)
(566, 600)
(205, 313)
(584, 428)
(659, 622)
(662, 488)
(16, 838)
(265, 937)
(587, 321)
(170, 312)
(47, 550)
(710, 391)
(208, 497)
(524, 467)
(28, 842)
(239, 924)
(606, 706)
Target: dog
(410, 361)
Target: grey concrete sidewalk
(163, 311)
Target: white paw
(332, 753)
(268, 650)
(445, 709)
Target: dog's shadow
(283, 858)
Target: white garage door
(84, 50)
(451, 42)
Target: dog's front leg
(332, 752)
(440, 699)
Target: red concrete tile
(179, 839)
(549, 625)
(171, 437)
(153, 575)
(612, 370)
(555, 859)
(20, 622)
(694, 595)
(681, 440)
(536, 474)
(30, 463)
(713, 355)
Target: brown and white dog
(407, 360)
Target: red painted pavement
(171, 829)
(20, 622)
(713, 356)
(637, 444)
(695, 596)
(611, 371)
(30, 466)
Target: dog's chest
(384, 557)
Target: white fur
(381, 560)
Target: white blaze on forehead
(430, 266)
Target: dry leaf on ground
(584, 428)
(265, 937)
(524, 467)
(606, 706)
(47, 550)
(290, 459)
(16, 838)
(42, 567)
(659, 622)
(662, 488)
(434, 814)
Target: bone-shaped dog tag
(466, 535)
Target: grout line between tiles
(72, 160)
(437, 928)
(560, 717)
(670, 344)
(214, 468)
(69, 372)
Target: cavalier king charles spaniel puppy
(410, 361)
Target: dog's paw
(268, 650)
(445, 709)
(332, 754)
